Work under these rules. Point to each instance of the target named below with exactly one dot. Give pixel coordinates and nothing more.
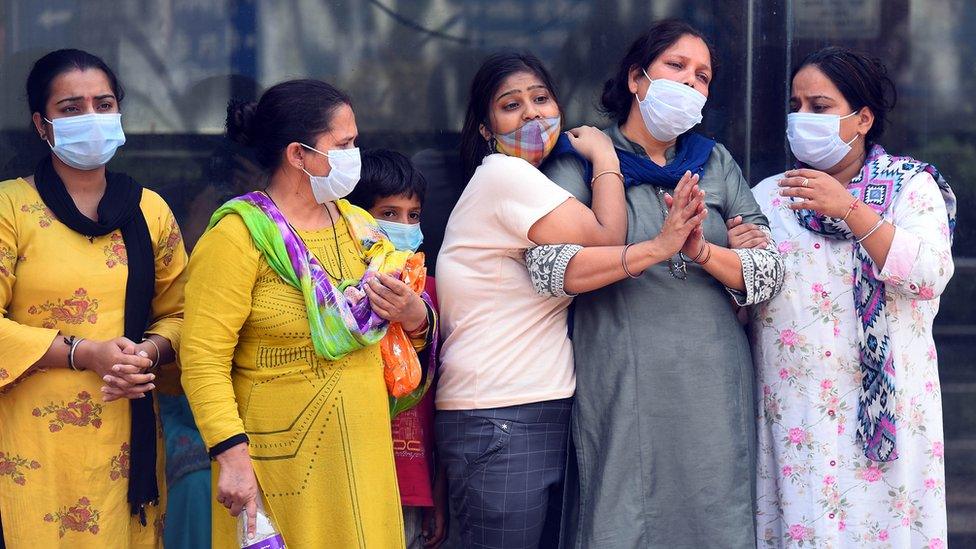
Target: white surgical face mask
(88, 141)
(342, 179)
(815, 138)
(669, 109)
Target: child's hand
(353, 294)
(434, 523)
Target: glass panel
(408, 64)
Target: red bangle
(852, 207)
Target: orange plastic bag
(401, 365)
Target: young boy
(392, 190)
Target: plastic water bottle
(266, 536)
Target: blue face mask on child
(405, 236)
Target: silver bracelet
(159, 355)
(71, 353)
(623, 262)
(871, 232)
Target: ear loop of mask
(492, 145)
(46, 140)
(649, 82)
(856, 135)
(303, 160)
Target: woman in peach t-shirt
(507, 378)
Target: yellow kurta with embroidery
(319, 430)
(64, 454)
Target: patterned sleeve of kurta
(762, 268)
(22, 345)
(222, 274)
(919, 263)
(171, 259)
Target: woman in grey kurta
(663, 424)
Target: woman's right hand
(685, 214)
(592, 143)
(237, 487)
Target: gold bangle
(701, 251)
(707, 257)
(597, 176)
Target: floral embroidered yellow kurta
(319, 430)
(64, 453)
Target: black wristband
(222, 447)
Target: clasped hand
(682, 230)
(122, 365)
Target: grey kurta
(664, 421)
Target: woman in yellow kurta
(313, 433)
(66, 445)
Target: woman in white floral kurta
(815, 486)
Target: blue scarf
(878, 185)
(691, 153)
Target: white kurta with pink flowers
(815, 487)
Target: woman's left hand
(393, 300)
(817, 191)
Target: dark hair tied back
(616, 99)
(296, 111)
(485, 84)
(240, 115)
(862, 79)
(48, 68)
(387, 173)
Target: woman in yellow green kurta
(66, 446)
(313, 432)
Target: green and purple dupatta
(338, 325)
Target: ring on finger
(806, 182)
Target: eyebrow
(686, 59)
(78, 97)
(530, 88)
